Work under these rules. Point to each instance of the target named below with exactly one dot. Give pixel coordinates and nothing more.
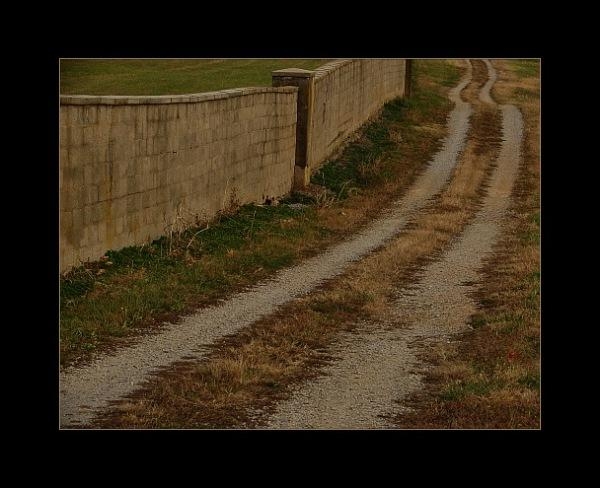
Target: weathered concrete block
(141, 156)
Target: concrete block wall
(345, 94)
(129, 166)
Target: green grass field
(169, 76)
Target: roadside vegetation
(169, 76)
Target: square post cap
(293, 73)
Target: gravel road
(86, 390)
(375, 368)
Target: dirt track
(375, 369)
(375, 366)
(87, 390)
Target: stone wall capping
(293, 73)
(170, 99)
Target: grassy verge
(491, 377)
(246, 374)
(169, 76)
(136, 289)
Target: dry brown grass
(491, 377)
(251, 370)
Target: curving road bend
(86, 391)
(374, 370)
